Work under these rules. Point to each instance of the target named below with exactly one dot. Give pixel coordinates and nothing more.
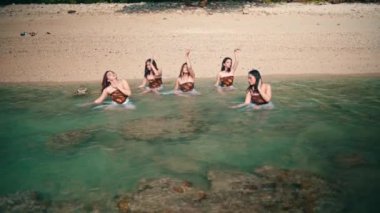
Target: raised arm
(247, 101)
(189, 66)
(236, 61)
(155, 71)
(101, 97)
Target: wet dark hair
(256, 74)
(105, 82)
(181, 71)
(146, 71)
(224, 61)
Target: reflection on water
(66, 152)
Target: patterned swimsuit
(186, 87)
(118, 96)
(226, 81)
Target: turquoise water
(325, 126)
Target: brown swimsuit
(226, 81)
(155, 83)
(186, 87)
(256, 97)
(118, 96)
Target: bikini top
(185, 87)
(227, 81)
(118, 96)
(155, 83)
(256, 97)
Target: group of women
(258, 93)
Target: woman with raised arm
(186, 79)
(117, 89)
(152, 76)
(225, 78)
(258, 94)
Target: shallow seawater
(52, 144)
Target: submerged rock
(350, 160)
(69, 139)
(266, 190)
(22, 202)
(162, 129)
(163, 195)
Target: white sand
(281, 39)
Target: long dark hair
(256, 74)
(105, 82)
(181, 71)
(146, 71)
(224, 67)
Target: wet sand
(283, 39)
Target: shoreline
(269, 78)
(281, 39)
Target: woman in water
(118, 89)
(152, 76)
(225, 77)
(185, 81)
(258, 94)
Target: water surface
(325, 126)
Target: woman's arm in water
(143, 83)
(101, 97)
(217, 79)
(176, 86)
(236, 62)
(123, 86)
(246, 102)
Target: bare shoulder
(266, 86)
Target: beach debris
(71, 11)
(268, 189)
(81, 91)
(48, 33)
(28, 33)
(202, 3)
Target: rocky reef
(267, 189)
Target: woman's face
(228, 63)
(111, 76)
(185, 70)
(251, 80)
(149, 65)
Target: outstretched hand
(187, 53)
(237, 50)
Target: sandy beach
(281, 39)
